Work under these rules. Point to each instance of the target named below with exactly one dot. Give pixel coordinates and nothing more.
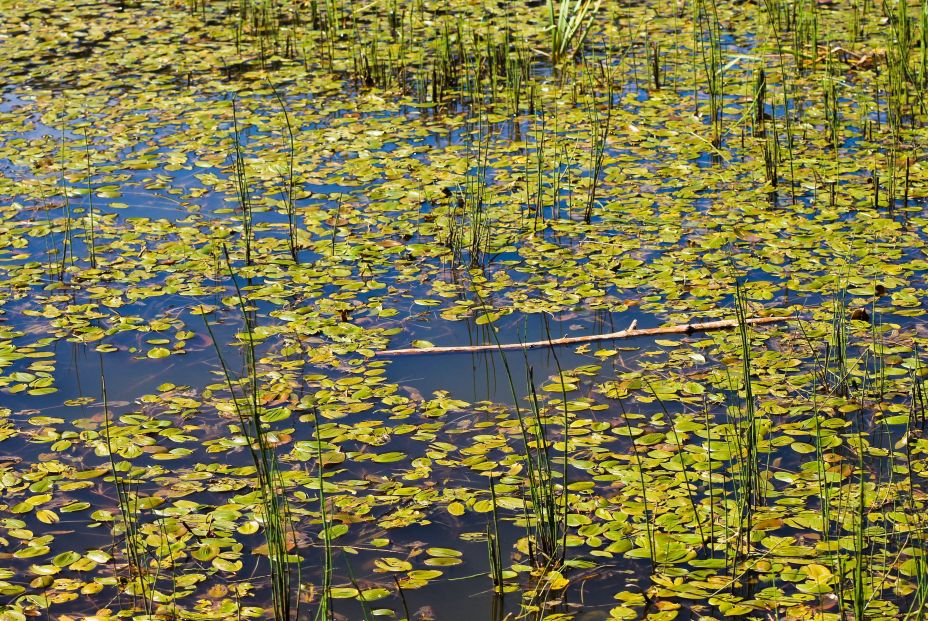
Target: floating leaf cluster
(214, 215)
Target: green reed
(750, 493)
(636, 452)
(569, 23)
(473, 222)
(278, 530)
(546, 522)
(919, 555)
(324, 612)
(242, 188)
(67, 250)
(494, 552)
(787, 122)
(139, 580)
(684, 467)
(547, 525)
(91, 231)
(836, 350)
(923, 46)
(706, 19)
(599, 132)
(288, 182)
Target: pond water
(218, 219)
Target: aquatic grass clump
(546, 508)
(599, 133)
(709, 39)
(288, 182)
(547, 523)
(324, 611)
(751, 492)
(279, 531)
(141, 584)
(568, 25)
(242, 187)
(494, 552)
(469, 227)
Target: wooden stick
(629, 332)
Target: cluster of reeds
(264, 28)
(749, 491)
(242, 187)
(91, 225)
(569, 23)
(544, 488)
(709, 43)
(599, 132)
(288, 184)
(278, 529)
(140, 583)
(468, 227)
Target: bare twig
(629, 332)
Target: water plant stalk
(278, 530)
(289, 185)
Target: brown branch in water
(629, 332)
